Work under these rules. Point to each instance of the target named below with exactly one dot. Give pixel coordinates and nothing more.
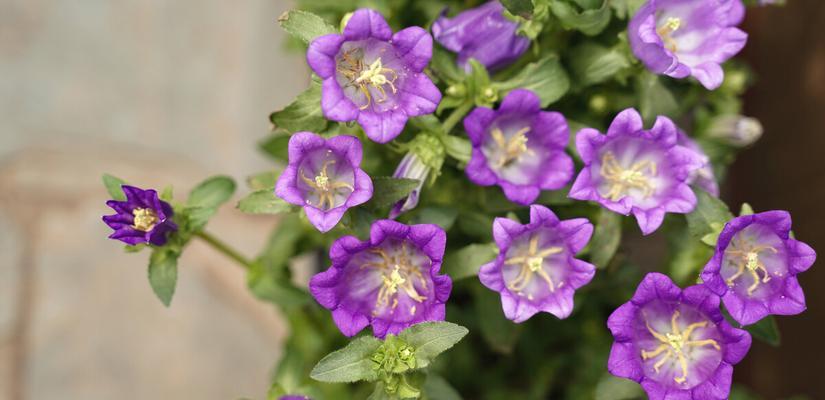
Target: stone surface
(157, 93)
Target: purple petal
(335, 105)
(415, 46)
(365, 24)
(321, 54)
(382, 127)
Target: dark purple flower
(518, 147)
(324, 177)
(675, 342)
(682, 38)
(374, 76)
(632, 170)
(390, 281)
(482, 33)
(702, 177)
(755, 265)
(410, 167)
(142, 218)
(536, 269)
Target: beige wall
(156, 92)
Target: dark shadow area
(786, 170)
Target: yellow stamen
(325, 188)
(374, 76)
(512, 148)
(747, 256)
(532, 263)
(145, 219)
(671, 25)
(397, 270)
(621, 180)
(674, 343)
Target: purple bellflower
(324, 177)
(536, 269)
(681, 38)
(374, 76)
(482, 33)
(755, 265)
(389, 281)
(411, 167)
(638, 171)
(141, 218)
(518, 147)
(674, 342)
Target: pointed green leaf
(589, 21)
(437, 388)
(263, 180)
(500, 333)
(546, 77)
(263, 202)
(113, 186)
(350, 364)
(709, 216)
(212, 192)
(387, 190)
(654, 98)
(607, 236)
(766, 330)
(163, 273)
(431, 339)
(276, 145)
(304, 25)
(593, 63)
(465, 262)
(303, 114)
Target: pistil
(674, 343)
(325, 188)
(671, 25)
(364, 77)
(748, 261)
(512, 148)
(396, 273)
(532, 263)
(622, 180)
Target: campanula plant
(460, 189)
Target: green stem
(457, 115)
(224, 248)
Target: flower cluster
(676, 343)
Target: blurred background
(164, 92)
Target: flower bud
(736, 130)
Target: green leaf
(593, 63)
(654, 98)
(380, 393)
(500, 333)
(166, 194)
(204, 199)
(476, 224)
(303, 114)
(263, 180)
(113, 186)
(709, 215)
(766, 330)
(466, 261)
(607, 236)
(350, 364)
(387, 190)
(590, 22)
(304, 25)
(437, 388)
(276, 145)
(443, 216)
(457, 147)
(431, 339)
(445, 67)
(263, 202)
(212, 192)
(269, 279)
(163, 273)
(626, 8)
(613, 388)
(546, 77)
(689, 256)
(522, 8)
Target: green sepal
(114, 187)
(388, 190)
